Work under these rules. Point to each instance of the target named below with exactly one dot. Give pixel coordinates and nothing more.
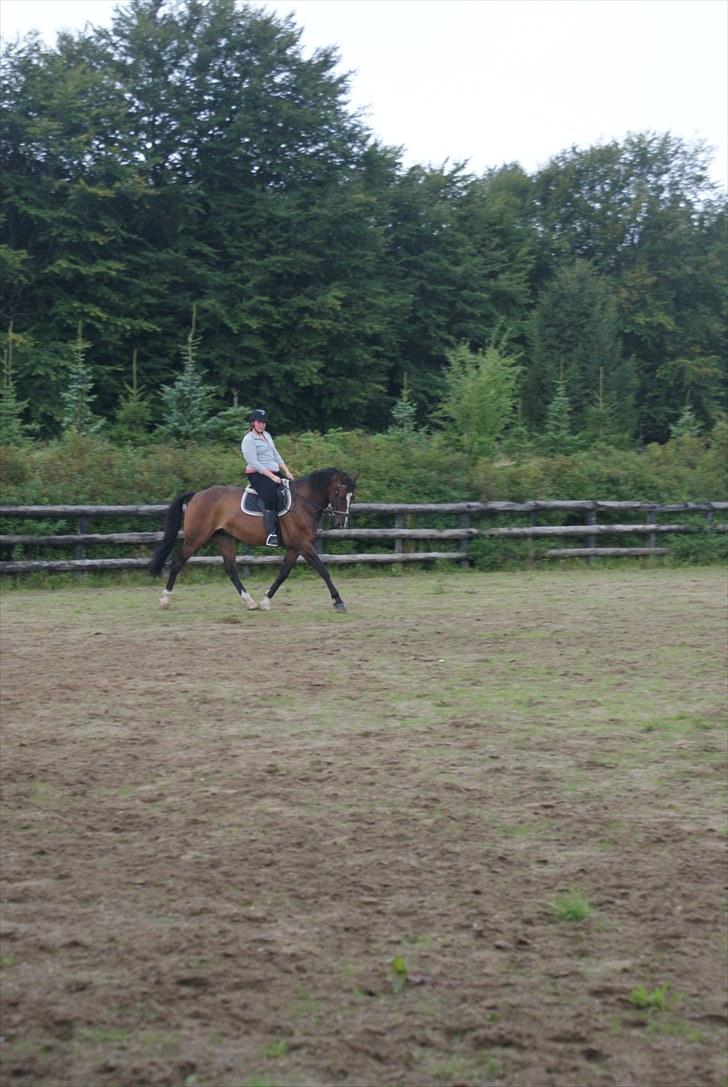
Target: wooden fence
(407, 542)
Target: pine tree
(134, 410)
(188, 403)
(404, 412)
(558, 436)
(78, 416)
(687, 424)
(13, 430)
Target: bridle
(338, 505)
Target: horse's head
(341, 492)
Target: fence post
(463, 543)
(80, 529)
(651, 536)
(531, 544)
(591, 540)
(399, 542)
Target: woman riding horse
(216, 513)
(264, 466)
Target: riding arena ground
(471, 832)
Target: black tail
(172, 523)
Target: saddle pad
(251, 502)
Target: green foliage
(404, 412)
(77, 398)
(558, 436)
(398, 973)
(187, 405)
(133, 414)
(702, 548)
(480, 391)
(193, 153)
(686, 424)
(575, 345)
(650, 1000)
(91, 468)
(13, 431)
(572, 906)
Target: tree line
(195, 222)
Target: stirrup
(272, 540)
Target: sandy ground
(303, 848)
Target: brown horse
(216, 513)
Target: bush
(395, 467)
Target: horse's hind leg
(186, 551)
(226, 544)
(289, 561)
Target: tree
(575, 338)
(188, 403)
(481, 390)
(646, 217)
(558, 435)
(13, 431)
(133, 413)
(77, 398)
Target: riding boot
(271, 527)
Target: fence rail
(405, 539)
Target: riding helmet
(259, 413)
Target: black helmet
(259, 413)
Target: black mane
(320, 479)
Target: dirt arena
(300, 849)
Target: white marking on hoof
(248, 600)
(265, 604)
(165, 598)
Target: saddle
(252, 504)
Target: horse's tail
(172, 523)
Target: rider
(264, 468)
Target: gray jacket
(260, 452)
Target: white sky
(494, 81)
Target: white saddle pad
(250, 502)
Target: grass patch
(276, 1050)
(650, 1000)
(572, 906)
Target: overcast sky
(494, 81)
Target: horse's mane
(319, 480)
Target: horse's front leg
(289, 561)
(314, 559)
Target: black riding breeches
(267, 489)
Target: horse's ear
(356, 474)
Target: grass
(656, 999)
(572, 906)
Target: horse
(215, 513)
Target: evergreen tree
(558, 436)
(133, 414)
(77, 398)
(575, 336)
(404, 412)
(13, 431)
(188, 403)
(481, 390)
(686, 425)
(603, 420)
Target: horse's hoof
(265, 604)
(253, 605)
(339, 606)
(164, 600)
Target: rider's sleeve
(248, 449)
